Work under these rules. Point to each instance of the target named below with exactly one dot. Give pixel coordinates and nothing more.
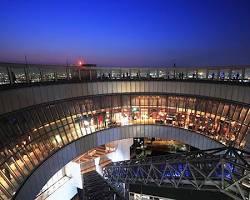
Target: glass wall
(31, 135)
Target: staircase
(96, 188)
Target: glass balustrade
(27, 74)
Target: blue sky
(126, 32)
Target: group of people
(127, 75)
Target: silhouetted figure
(222, 76)
(13, 76)
(237, 76)
(212, 76)
(109, 76)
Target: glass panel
(243, 115)
(201, 73)
(48, 74)
(116, 73)
(35, 74)
(134, 73)
(61, 73)
(236, 74)
(162, 73)
(4, 78)
(18, 75)
(247, 120)
(153, 73)
(191, 73)
(247, 73)
(213, 74)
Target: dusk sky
(126, 33)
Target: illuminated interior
(37, 132)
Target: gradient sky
(126, 32)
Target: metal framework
(223, 169)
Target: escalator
(96, 188)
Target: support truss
(223, 169)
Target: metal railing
(14, 73)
